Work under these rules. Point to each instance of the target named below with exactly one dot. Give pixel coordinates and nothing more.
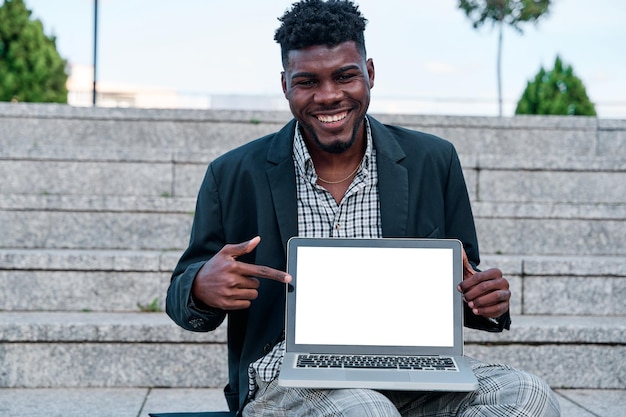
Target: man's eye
(306, 83)
(345, 77)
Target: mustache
(330, 108)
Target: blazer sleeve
(205, 241)
(460, 221)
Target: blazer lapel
(393, 181)
(282, 181)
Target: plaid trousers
(503, 392)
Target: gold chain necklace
(340, 181)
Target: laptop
(375, 313)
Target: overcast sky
(422, 49)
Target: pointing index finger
(251, 270)
(271, 273)
(262, 271)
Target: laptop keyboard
(426, 363)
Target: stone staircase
(96, 206)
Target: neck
(334, 169)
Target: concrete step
(107, 350)
(551, 236)
(147, 350)
(49, 124)
(101, 230)
(551, 229)
(95, 222)
(521, 185)
(44, 125)
(140, 402)
(84, 280)
(103, 171)
(85, 178)
(563, 285)
(523, 136)
(161, 223)
(156, 172)
(567, 351)
(82, 290)
(177, 171)
(123, 280)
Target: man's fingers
(467, 267)
(492, 311)
(250, 270)
(491, 299)
(486, 293)
(237, 305)
(226, 283)
(491, 305)
(478, 278)
(240, 295)
(238, 249)
(260, 271)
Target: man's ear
(283, 82)
(369, 64)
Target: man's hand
(487, 292)
(225, 283)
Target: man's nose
(328, 92)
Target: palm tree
(499, 12)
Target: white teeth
(331, 119)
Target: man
(332, 171)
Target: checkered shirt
(319, 215)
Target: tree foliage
(499, 13)
(511, 12)
(31, 68)
(558, 91)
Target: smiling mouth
(332, 118)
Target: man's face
(328, 90)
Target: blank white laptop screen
(403, 293)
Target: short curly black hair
(318, 22)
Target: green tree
(31, 69)
(556, 92)
(499, 12)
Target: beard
(338, 146)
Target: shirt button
(337, 226)
(267, 348)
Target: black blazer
(252, 191)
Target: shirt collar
(304, 162)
